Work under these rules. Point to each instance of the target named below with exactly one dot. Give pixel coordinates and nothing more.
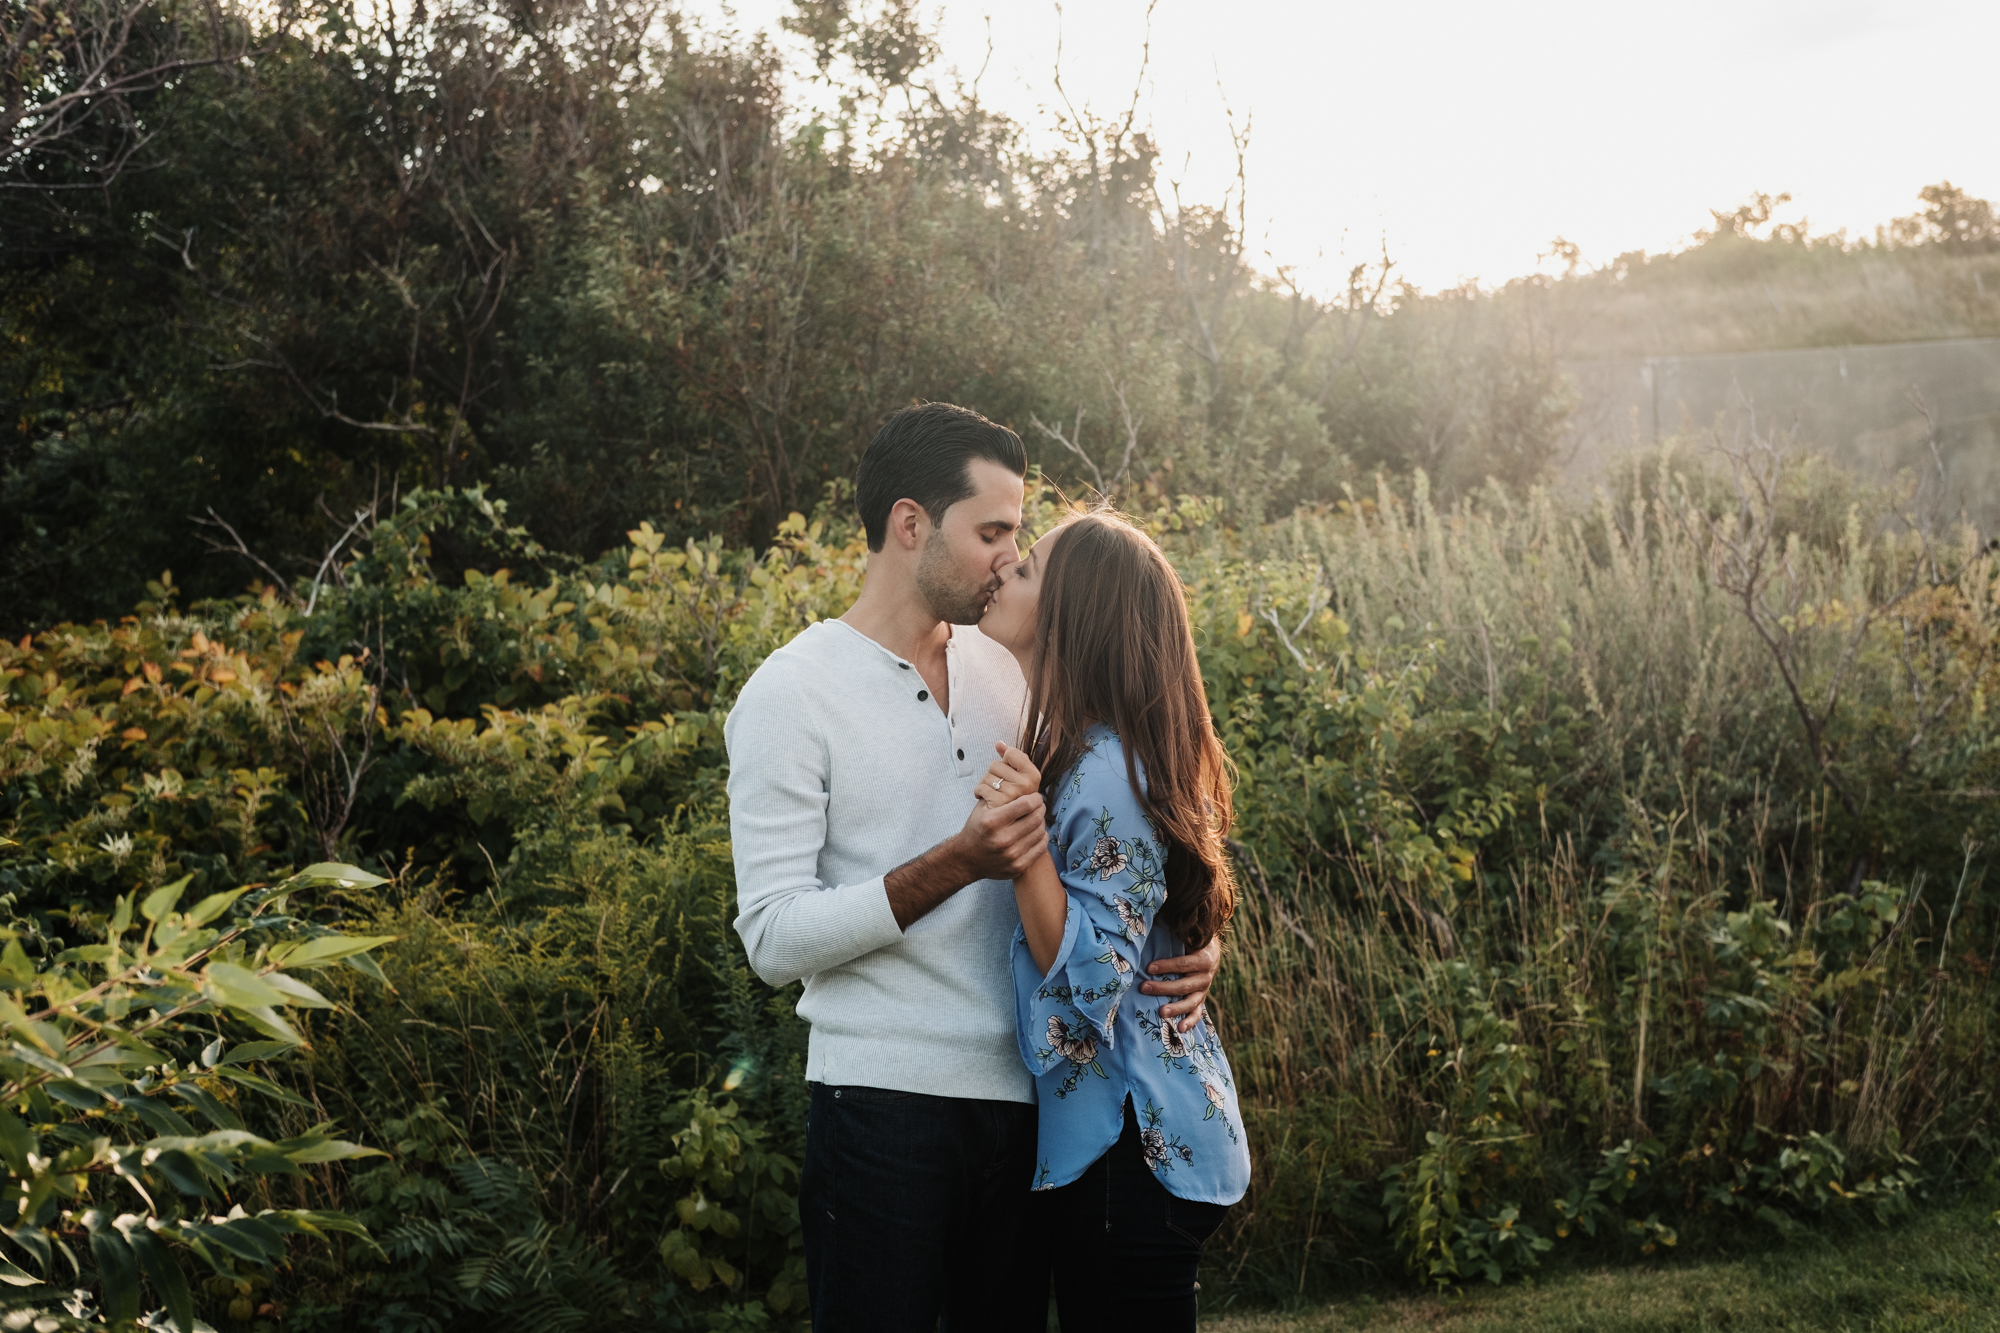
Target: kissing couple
(981, 816)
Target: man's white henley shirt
(842, 767)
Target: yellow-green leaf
(241, 988)
(346, 876)
(213, 906)
(161, 900)
(327, 949)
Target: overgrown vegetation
(110, 1193)
(1564, 928)
(1616, 871)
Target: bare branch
(362, 517)
(236, 546)
(71, 65)
(1069, 442)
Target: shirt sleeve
(1112, 865)
(791, 924)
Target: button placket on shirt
(961, 763)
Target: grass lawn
(1940, 1271)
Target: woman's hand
(1012, 775)
(1038, 891)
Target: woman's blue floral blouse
(1089, 1036)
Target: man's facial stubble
(952, 597)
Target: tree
(1953, 219)
(76, 70)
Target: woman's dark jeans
(1125, 1250)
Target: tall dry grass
(1616, 943)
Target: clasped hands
(1006, 834)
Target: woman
(1141, 1143)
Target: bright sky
(1469, 133)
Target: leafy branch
(100, 1042)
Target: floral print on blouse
(1088, 1035)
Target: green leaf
(41, 1189)
(157, 1115)
(16, 1141)
(258, 1083)
(15, 1276)
(306, 1222)
(204, 1101)
(116, 1269)
(317, 1147)
(240, 988)
(16, 969)
(328, 948)
(366, 966)
(347, 877)
(296, 991)
(114, 1056)
(256, 1050)
(264, 1160)
(36, 1244)
(165, 1275)
(245, 1237)
(267, 1021)
(41, 1035)
(126, 1041)
(71, 1092)
(161, 900)
(183, 1172)
(213, 906)
(216, 1147)
(121, 918)
(34, 1059)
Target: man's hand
(1195, 973)
(1000, 841)
(997, 842)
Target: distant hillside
(1884, 356)
(1933, 275)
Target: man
(865, 866)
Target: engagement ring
(996, 784)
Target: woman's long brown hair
(1117, 648)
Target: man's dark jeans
(918, 1207)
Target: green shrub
(110, 1190)
(1561, 928)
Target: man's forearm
(917, 886)
(789, 936)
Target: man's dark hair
(924, 453)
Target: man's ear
(909, 525)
